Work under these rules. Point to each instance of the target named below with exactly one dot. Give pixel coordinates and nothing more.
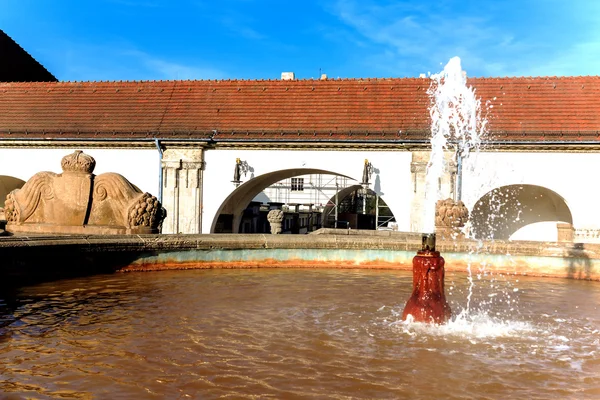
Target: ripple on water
(292, 333)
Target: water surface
(297, 333)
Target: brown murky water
(297, 334)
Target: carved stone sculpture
(450, 218)
(77, 201)
(275, 217)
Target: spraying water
(456, 125)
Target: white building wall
(139, 166)
(571, 175)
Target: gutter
(212, 140)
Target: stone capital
(185, 155)
(183, 165)
(416, 167)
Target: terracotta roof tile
(528, 108)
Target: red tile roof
(526, 108)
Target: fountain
(456, 123)
(335, 331)
(427, 302)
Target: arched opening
(505, 210)
(358, 209)
(7, 185)
(305, 195)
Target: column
(182, 189)
(446, 185)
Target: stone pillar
(566, 232)
(418, 170)
(446, 185)
(275, 217)
(182, 189)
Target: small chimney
(287, 76)
(323, 77)
(422, 76)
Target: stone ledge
(49, 257)
(397, 241)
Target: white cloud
(171, 70)
(241, 26)
(408, 38)
(123, 62)
(579, 59)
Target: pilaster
(182, 184)
(566, 232)
(446, 185)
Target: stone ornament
(78, 162)
(275, 217)
(450, 217)
(449, 213)
(77, 201)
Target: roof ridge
(314, 81)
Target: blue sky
(90, 40)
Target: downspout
(459, 167)
(160, 170)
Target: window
(297, 184)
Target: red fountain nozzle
(428, 301)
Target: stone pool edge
(52, 256)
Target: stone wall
(27, 256)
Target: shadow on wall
(580, 265)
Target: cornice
(395, 145)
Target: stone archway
(343, 194)
(504, 210)
(330, 207)
(7, 185)
(231, 210)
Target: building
(186, 140)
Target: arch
(344, 193)
(503, 211)
(239, 199)
(7, 185)
(341, 195)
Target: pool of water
(297, 333)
